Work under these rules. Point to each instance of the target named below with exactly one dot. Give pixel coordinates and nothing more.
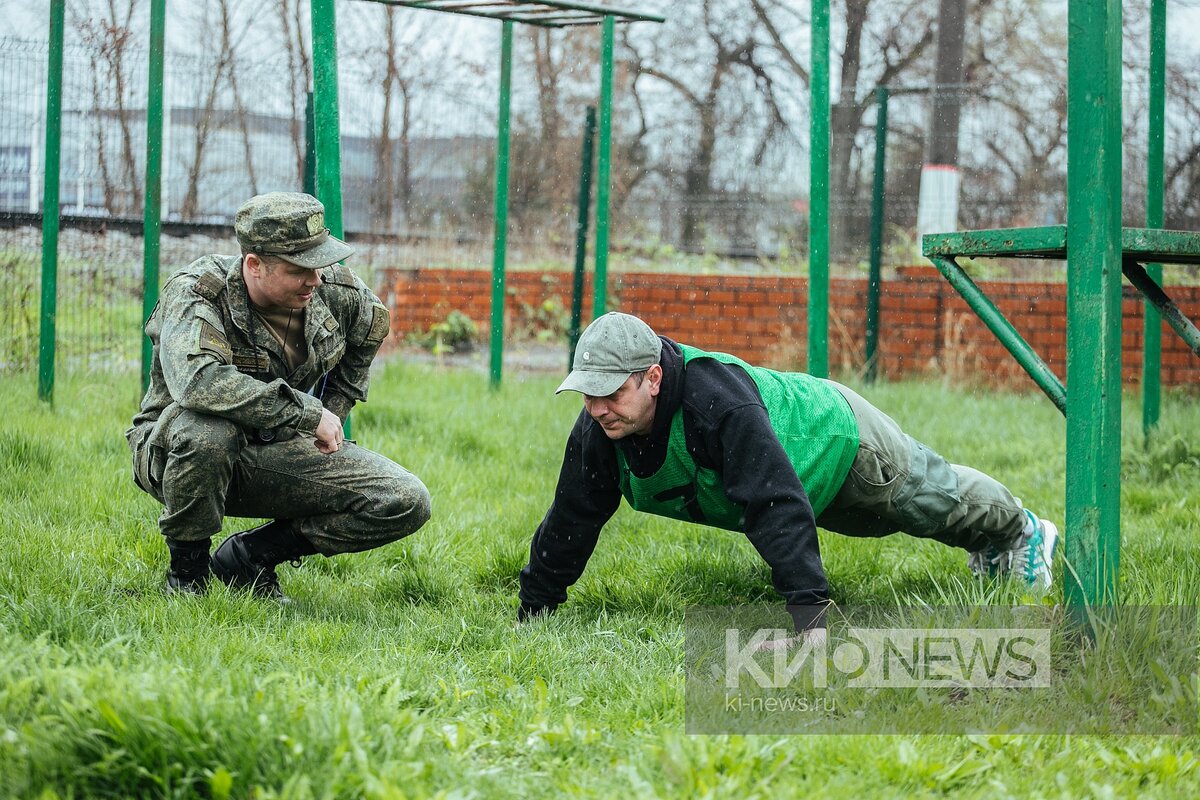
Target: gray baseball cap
(291, 226)
(612, 348)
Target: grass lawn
(399, 672)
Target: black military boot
(188, 573)
(247, 560)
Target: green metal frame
(544, 14)
(327, 132)
(500, 241)
(1152, 324)
(878, 190)
(152, 208)
(818, 217)
(603, 172)
(1098, 251)
(50, 211)
(1138, 245)
(581, 231)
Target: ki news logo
(894, 658)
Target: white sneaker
(1031, 558)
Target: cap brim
(327, 253)
(595, 384)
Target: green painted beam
(310, 147)
(1094, 240)
(874, 274)
(326, 117)
(581, 232)
(327, 121)
(500, 238)
(1142, 244)
(152, 209)
(50, 205)
(603, 172)
(818, 225)
(1168, 247)
(543, 13)
(1152, 323)
(1047, 242)
(998, 324)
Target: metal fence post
(50, 212)
(877, 203)
(326, 117)
(152, 212)
(581, 233)
(1152, 322)
(603, 172)
(818, 221)
(1093, 488)
(500, 242)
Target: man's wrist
(310, 415)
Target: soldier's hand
(329, 432)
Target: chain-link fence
(418, 178)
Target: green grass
(399, 672)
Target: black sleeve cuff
(807, 618)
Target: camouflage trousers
(898, 484)
(203, 468)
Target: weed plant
(400, 672)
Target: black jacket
(726, 428)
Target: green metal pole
(152, 212)
(326, 124)
(327, 121)
(1093, 491)
(310, 148)
(500, 243)
(877, 199)
(581, 232)
(991, 316)
(1152, 333)
(818, 229)
(50, 211)
(603, 172)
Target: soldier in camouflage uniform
(258, 359)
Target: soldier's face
(630, 409)
(280, 284)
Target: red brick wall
(925, 327)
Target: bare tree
(403, 69)
(712, 58)
(218, 26)
(110, 37)
(292, 16)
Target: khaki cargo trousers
(896, 484)
(203, 468)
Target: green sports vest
(812, 420)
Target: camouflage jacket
(213, 355)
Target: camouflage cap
(291, 226)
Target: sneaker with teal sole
(1030, 559)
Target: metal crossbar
(1138, 245)
(544, 13)
(1141, 244)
